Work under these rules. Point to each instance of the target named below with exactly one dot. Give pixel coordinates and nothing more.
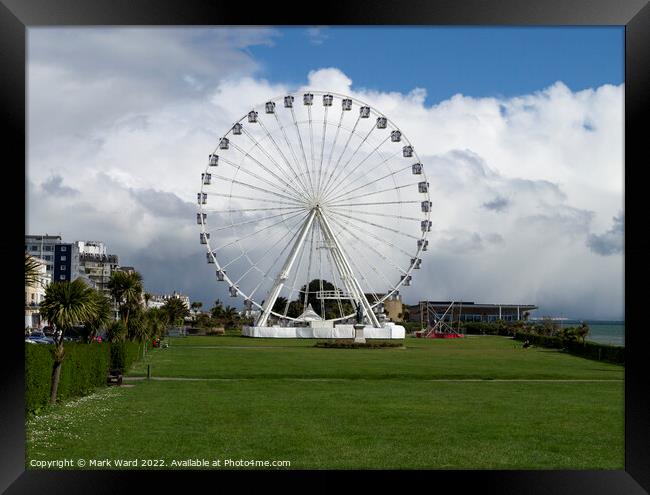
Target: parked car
(38, 337)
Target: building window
(34, 248)
(48, 268)
(61, 277)
(62, 267)
(47, 257)
(47, 248)
(64, 248)
(63, 258)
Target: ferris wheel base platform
(389, 331)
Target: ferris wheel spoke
(379, 203)
(358, 227)
(372, 248)
(266, 181)
(241, 210)
(395, 188)
(275, 262)
(255, 265)
(296, 161)
(248, 236)
(311, 143)
(354, 153)
(345, 193)
(345, 147)
(311, 253)
(337, 284)
(320, 268)
(247, 222)
(386, 215)
(373, 293)
(358, 164)
(284, 158)
(371, 265)
(257, 188)
(302, 148)
(260, 200)
(295, 277)
(322, 150)
(336, 136)
(379, 226)
(286, 180)
(256, 145)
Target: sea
(603, 332)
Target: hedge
(589, 350)
(85, 367)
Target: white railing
(332, 294)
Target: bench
(114, 377)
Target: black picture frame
(17, 15)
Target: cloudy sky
(520, 131)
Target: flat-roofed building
(42, 247)
(470, 311)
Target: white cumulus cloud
(524, 189)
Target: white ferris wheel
(312, 204)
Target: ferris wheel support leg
(346, 272)
(284, 273)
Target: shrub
(123, 355)
(589, 350)
(348, 344)
(85, 367)
(38, 375)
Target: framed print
(326, 244)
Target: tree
(65, 305)
(117, 331)
(102, 316)
(549, 327)
(175, 310)
(330, 305)
(582, 331)
(127, 289)
(217, 310)
(157, 321)
(196, 305)
(280, 304)
(230, 317)
(32, 273)
(147, 297)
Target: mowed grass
(435, 405)
(472, 357)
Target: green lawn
(479, 402)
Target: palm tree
(582, 331)
(101, 318)
(147, 297)
(217, 310)
(175, 310)
(32, 273)
(138, 328)
(157, 321)
(127, 289)
(65, 305)
(230, 315)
